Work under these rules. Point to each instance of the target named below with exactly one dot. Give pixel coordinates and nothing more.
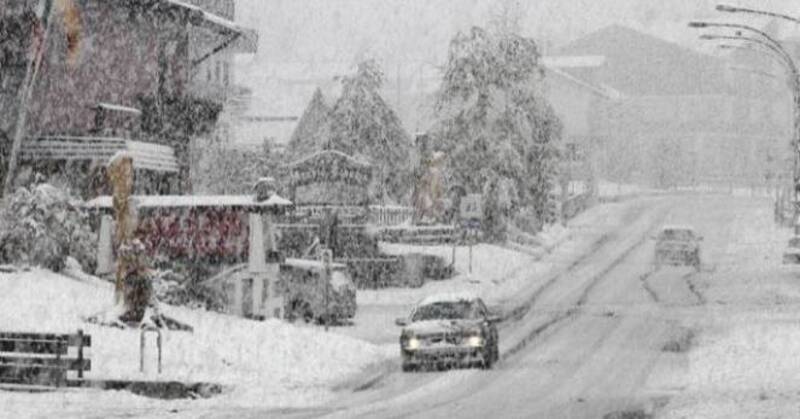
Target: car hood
(427, 327)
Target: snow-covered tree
(312, 130)
(362, 123)
(221, 169)
(493, 122)
(42, 226)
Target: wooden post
(105, 251)
(158, 343)
(141, 350)
(80, 353)
(120, 173)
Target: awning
(146, 156)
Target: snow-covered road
(605, 334)
(618, 336)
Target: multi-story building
(680, 118)
(111, 75)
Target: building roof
(194, 201)
(350, 159)
(572, 61)
(602, 91)
(146, 156)
(640, 64)
(203, 18)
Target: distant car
(449, 329)
(678, 245)
(792, 253)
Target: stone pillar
(257, 262)
(105, 252)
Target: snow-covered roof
(311, 264)
(604, 91)
(201, 17)
(317, 154)
(118, 108)
(574, 61)
(677, 227)
(448, 297)
(208, 16)
(171, 201)
(146, 156)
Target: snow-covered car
(308, 296)
(792, 253)
(449, 329)
(678, 245)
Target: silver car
(449, 330)
(678, 245)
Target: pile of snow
(267, 363)
(493, 268)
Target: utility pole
(43, 14)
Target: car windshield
(449, 310)
(682, 235)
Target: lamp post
(766, 41)
(736, 9)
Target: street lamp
(776, 47)
(736, 9)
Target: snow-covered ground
(499, 275)
(267, 363)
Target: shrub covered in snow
(179, 289)
(42, 225)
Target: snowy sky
(322, 38)
(299, 30)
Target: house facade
(681, 117)
(111, 75)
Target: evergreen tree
(492, 119)
(312, 130)
(363, 123)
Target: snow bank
(267, 363)
(493, 268)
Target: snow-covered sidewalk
(267, 363)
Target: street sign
(472, 207)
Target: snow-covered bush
(176, 288)
(43, 225)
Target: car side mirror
(401, 321)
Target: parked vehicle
(678, 245)
(449, 329)
(306, 295)
(792, 253)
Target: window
(217, 71)
(226, 66)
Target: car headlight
(474, 341)
(412, 343)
